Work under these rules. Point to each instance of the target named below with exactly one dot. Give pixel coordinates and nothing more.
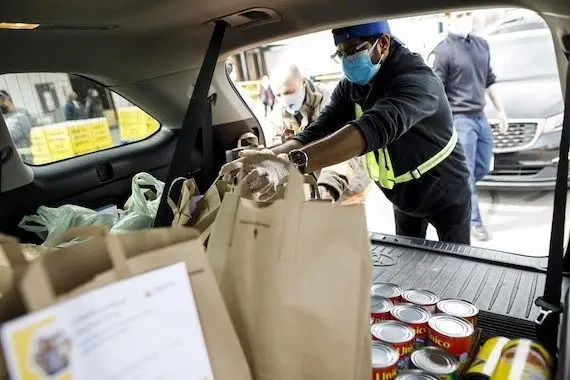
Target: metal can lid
(458, 308)
(415, 374)
(451, 326)
(420, 297)
(393, 332)
(380, 304)
(386, 290)
(383, 355)
(410, 313)
(435, 361)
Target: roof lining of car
(159, 38)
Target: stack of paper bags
(295, 276)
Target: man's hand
(262, 178)
(503, 122)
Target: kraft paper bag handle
(293, 201)
(39, 293)
(244, 137)
(308, 180)
(178, 207)
(11, 248)
(85, 231)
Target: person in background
(73, 110)
(266, 95)
(462, 61)
(19, 124)
(93, 104)
(301, 102)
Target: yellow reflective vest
(380, 169)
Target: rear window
(524, 55)
(56, 116)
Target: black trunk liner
(503, 286)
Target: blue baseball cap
(359, 31)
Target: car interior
(163, 56)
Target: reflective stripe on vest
(381, 170)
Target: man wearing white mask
(462, 61)
(301, 102)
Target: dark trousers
(453, 224)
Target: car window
(524, 57)
(56, 116)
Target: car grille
(518, 135)
(517, 171)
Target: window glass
(55, 116)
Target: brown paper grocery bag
(105, 259)
(295, 276)
(202, 214)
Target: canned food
(384, 361)
(454, 335)
(397, 334)
(391, 291)
(523, 359)
(437, 362)
(380, 308)
(459, 308)
(423, 298)
(415, 374)
(487, 358)
(415, 316)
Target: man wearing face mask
(462, 61)
(391, 108)
(301, 103)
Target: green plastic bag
(140, 212)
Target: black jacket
(406, 111)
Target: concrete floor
(519, 222)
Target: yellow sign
(59, 141)
(135, 124)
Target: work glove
(262, 178)
(503, 122)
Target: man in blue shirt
(462, 61)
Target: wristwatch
(299, 159)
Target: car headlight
(553, 123)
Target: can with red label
(459, 308)
(423, 298)
(391, 291)
(384, 361)
(397, 334)
(380, 309)
(416, 317)
(453, 334)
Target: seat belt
(194, 120)
(550, 306)
(5, 155)
(208, 138)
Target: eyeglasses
(339, 55)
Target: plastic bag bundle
(140, 212)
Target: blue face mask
(358, 68)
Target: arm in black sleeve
(440, 63)
(334, 116)
(410, 99)
(491, 78)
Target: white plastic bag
(50, 222)
(140, 212)
(141, 207)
